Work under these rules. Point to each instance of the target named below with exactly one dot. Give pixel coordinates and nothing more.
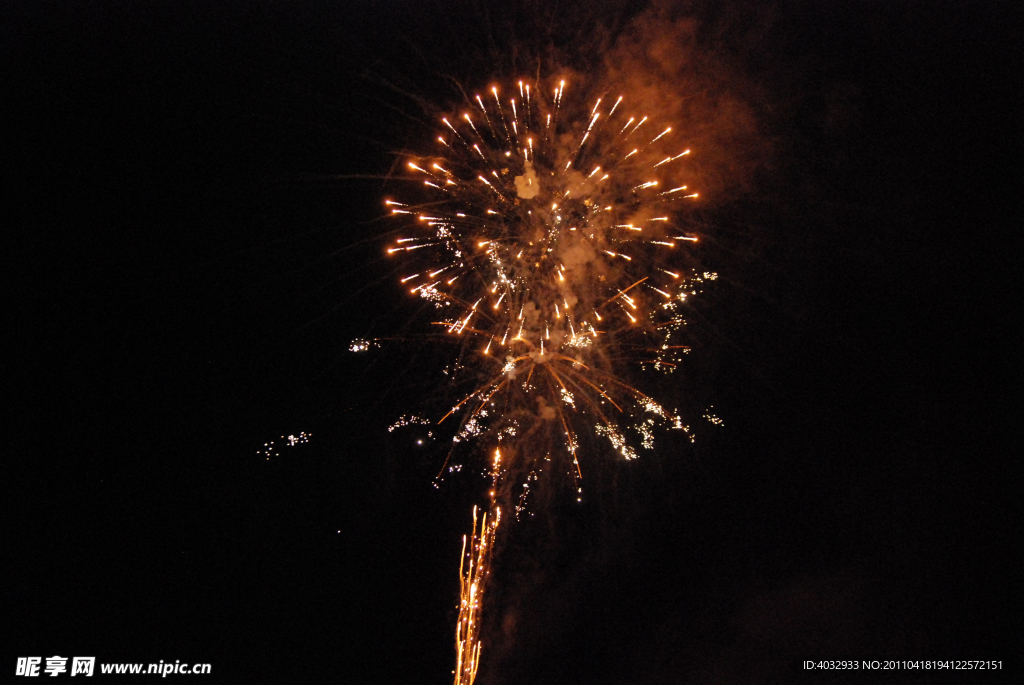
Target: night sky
(192, 202)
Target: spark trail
(473, 574)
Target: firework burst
(545, 232)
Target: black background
(184, 272)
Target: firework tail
(474, 572)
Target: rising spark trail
(473, 575)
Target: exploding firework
(545, 232)
(546, 240)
